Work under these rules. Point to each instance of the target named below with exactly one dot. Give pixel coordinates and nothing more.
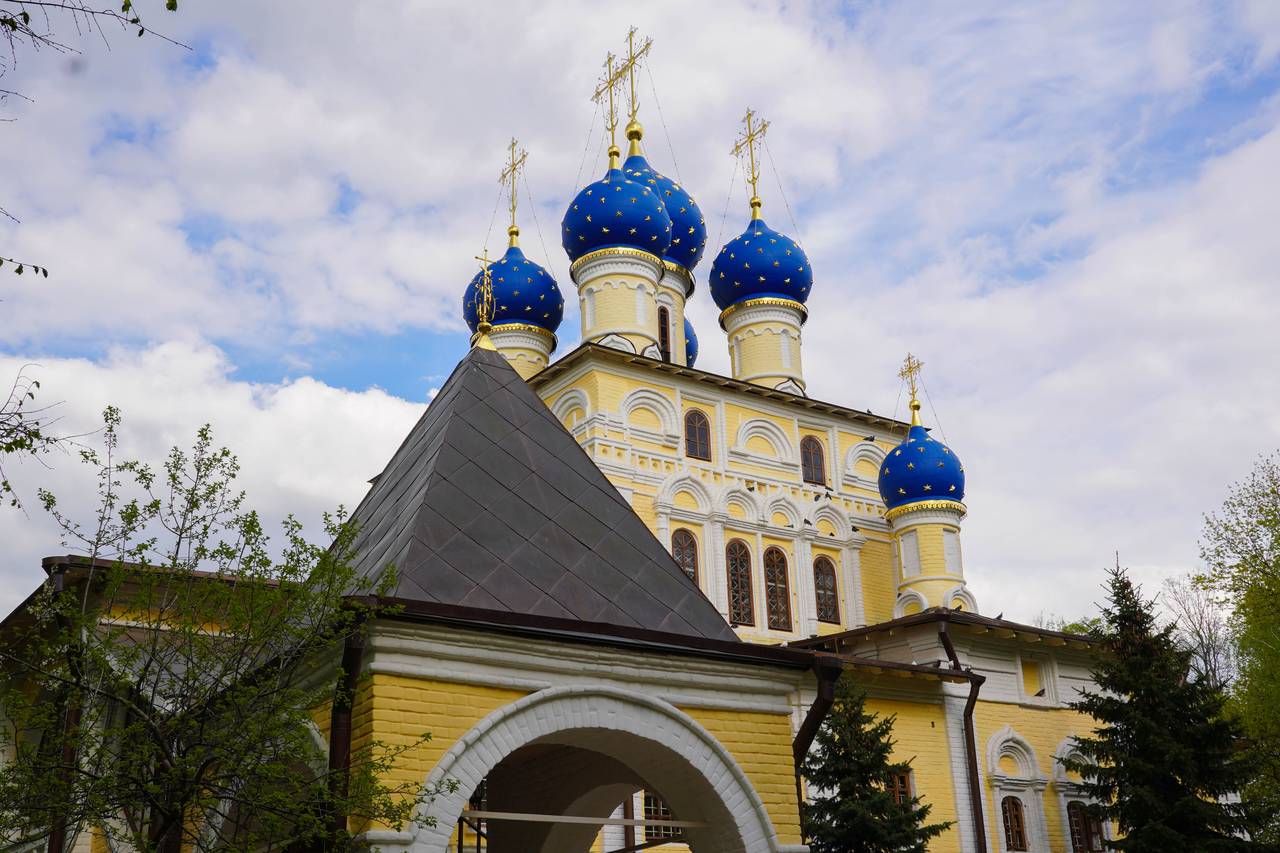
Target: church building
(625, 587)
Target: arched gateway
(585, 749)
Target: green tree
(1164, 762)
(162, 689)
(856, 801)
(1240, 546)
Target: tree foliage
(1165, 762)
(852, 807)
(165, 689)
(1240, 547)
(24, 428)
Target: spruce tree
(852, 807)
(1164, 762)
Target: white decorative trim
(699, 778)
(791, 386)
(783, 453)
(617, 342)
(966, 597)
(786, 315)
(905, 597)
(570, 400)
(661, 406)
(863, 450)
(652, 351)
(1028, 785)
(684, 482)
(647, 267)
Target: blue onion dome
(523, 292)
(616, 212)
(690, 343)
(688, 227)
(758, 263)
(920, 469)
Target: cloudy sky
(1069, 211)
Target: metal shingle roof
(490, 503)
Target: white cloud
(1028, 196)
(304, 447)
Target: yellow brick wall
(879, 587)
(1044, 729)
(761, 744)
(920, 736)
(398, 710)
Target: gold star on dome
(588, 217)
(952, 489)
(897, 453)
(911, 466)
(775, 263)
(604, 230)
(514, 293)
(928, 488)
(886, 471)
(633, 230)
(901, 491)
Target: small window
(697, 435)
(1015, 824)
(824, 587)
(664, 333)
(684, 547)
(777, 593)
(738, 562)
(1086, 830)
(656, 809)
(813, 461)
(900, 786)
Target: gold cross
(612, 79)
(753, 133)
(484, 295)
(634, 56)
(510, 178)
(911, 367)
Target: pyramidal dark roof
(490, 503)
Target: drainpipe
(970, 738)
(344, 693)
(827, 668)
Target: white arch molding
(1027, 785)
(661, 406)
(570, 400)
(668, 748)
(771, 433)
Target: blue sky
(1067, 211)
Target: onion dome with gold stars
(921, 468)
(690, 343)
(688, 227)
(759, 263)
(523, 292)
(616, 212)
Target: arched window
(697, 435)
(1086, 830)
(684, 547)
(738, 561)
(813, 463)
(664, 333)
(1015, 824)
(824, 587)
(777, 593)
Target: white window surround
(1027, 783)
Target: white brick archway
(661, 744)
